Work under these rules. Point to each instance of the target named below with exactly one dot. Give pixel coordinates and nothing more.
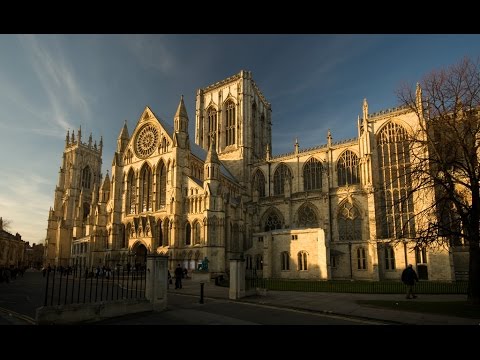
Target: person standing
(409, 277)
(178, 277)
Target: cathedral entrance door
(140, 254)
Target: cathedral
(325, 212)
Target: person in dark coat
(178, 277)
(409, 277)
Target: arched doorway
(139, 252)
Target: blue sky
(52, 83)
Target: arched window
(164, 145)
(131, 193)
(389, 257)
(161, 185)
(196, 233)
(259, 183)
(282, 175)
(259, 262)
(230, 123)
(285, 260)
(361, 259)
(146, 188)
(420, 255)
(395, 218)
(307, 218)
(347, 169)
(273, 222)
(188, 234)
(212, 125)
(86, 177)
(302, 261)
(86, 210)
(312, 175)
(349, 223)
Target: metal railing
(76, 285)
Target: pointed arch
(197, 231)
(312, 175)
(302, 260)
(161, 190)
(159, 233)
(349, 222)
(348, 168)
(131, 192)
(188, 234)
(394, 209)
(86, 177)
(307, 216)
(146, 181)
(230, 122)
(166, 232)
(259, 182)
(281, 176)
(212, 125)
(273, 219)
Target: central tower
(238, 117)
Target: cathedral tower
(79, 176)
(236, 114)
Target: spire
(329, 138)
(90, 140)
(296, 145)
(212, 156)
(181, 118)
(268, 155)
(72, 140)
(365, 109)
(101, 144)
(418, 99)
(106, 183)
(122, 139)
(79, 133)
(67, 138)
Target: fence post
(237, 279)
(156, 281)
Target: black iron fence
(365, 287)
(76, 284)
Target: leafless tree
(444, 162)
(6, 223)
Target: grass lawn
(449, 308)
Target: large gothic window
(307, 218)
(146, 188)
(230, 123)
(161, 185)
(212, 125)
(131, 193)
(259, 183)
(273, 222)
(393, 204)
(349, 223)
(282, 175)
(86, 177)
(347, 169)
(312, 175)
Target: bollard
(201, 293)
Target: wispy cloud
(150, 51)
(23, 201)
(58, 79)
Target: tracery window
(161, 186)
(146, 188)
(212, 125)
(86, 177)
(282, 175)
(347, 169)
(273, 222)
(307, 217)
(230, 123)
(259, 183)
(131, 193)
(312, 175)
(349, 223)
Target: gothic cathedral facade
(318, 213)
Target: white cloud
(58, 80)
(23, 203)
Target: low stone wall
(75, 313)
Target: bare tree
(444, 164)
(6, 224)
